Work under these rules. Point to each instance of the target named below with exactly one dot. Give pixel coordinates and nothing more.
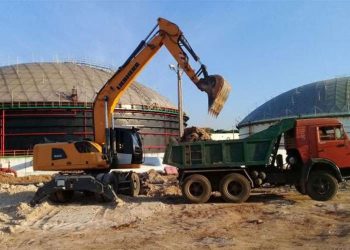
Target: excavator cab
(126, 148)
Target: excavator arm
(169, 35)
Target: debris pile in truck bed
(192, 134)
(156, 184)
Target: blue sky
(262, 48)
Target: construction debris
(192, 134)
(9, 171)
(156, 184)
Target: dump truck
(317, 160)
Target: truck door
(312, 141)
(333, 145)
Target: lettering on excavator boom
(125, 79)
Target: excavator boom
(169, 35)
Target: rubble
(192, 134)
(155, 184)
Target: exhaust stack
(217, 89)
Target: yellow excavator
(85, 165)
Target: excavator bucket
(217, 89)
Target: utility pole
(179, 73)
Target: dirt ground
(160, 218)
(10, 179)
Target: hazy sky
(262, 48)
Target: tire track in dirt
(42, 222)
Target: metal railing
(17, 152)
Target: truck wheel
(196, 188)
(62, 196)
(135, 184)
(235, 188)
(322, 186)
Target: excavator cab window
(136, 139)
(137, 156)
(123, 141)
(128, 141)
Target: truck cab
(316, 139)
(318, 151)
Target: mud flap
(305, 171)
(74, 183)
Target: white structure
(224, 136)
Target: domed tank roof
(322, 98)
(54, 82)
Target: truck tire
(197, 188)
(322, 186)
(235, 188)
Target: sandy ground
(32, 179)
(277, 218)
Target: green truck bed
(253, 150)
